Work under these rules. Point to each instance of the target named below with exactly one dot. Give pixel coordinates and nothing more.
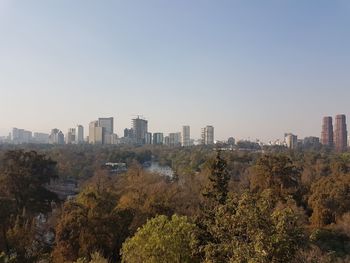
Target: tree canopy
(161, 240)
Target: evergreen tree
(219, 177)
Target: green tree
(252, 229)
(329, 199)
(276, 172)
(217, 189)
(161, 240)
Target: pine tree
(219, 177)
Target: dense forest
(257, 206)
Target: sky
(251, 68)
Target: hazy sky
(253, 69)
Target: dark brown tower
(341, 133)
(327, 132)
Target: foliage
(254, 206)
(91, 223)
(252, 229)
(96, 257)
(331, 241)
(314, 254)
(276, 172)
(23, 177)
(7, 259)
(161, 240)
(329, 199)
(219, 177)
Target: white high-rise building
(92, 126)
(186, 136)
(56, 137)
(101, 131)
(291, 140)
(99, 135)
(208, 135)
(174, 139)
(70, 137)
(21, 136)
(95, 133)
(41, 137)
(79, 134)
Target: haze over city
(251, 69)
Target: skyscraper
(56, 137)
(327, 132)
(175, 139)
(70, 137)
(95, 133)
(291, 140)
(140, 129)
(186, 136)
(79, 134)
(21, 136)
(208, 135)
(158, 138)
(148, 139)
(341, 133)
(128, 133)
(107, 124)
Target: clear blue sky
(251, 68)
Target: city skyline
(252, 70)
(101, 132)
(120, 131)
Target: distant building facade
(148, 138)
(56, 137)
(167, 140)
(19, 136)
(208, 135)
(70, 136)
(341, 133)
(311, 142)
(327, 132)
(79, 134)
(107, 124)
(96, 135)
(158, 138)
(128, 133)
(291, 141)
(39, 137)
(140, 129)
(101, 131)
(174, 139)
(186, 136)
